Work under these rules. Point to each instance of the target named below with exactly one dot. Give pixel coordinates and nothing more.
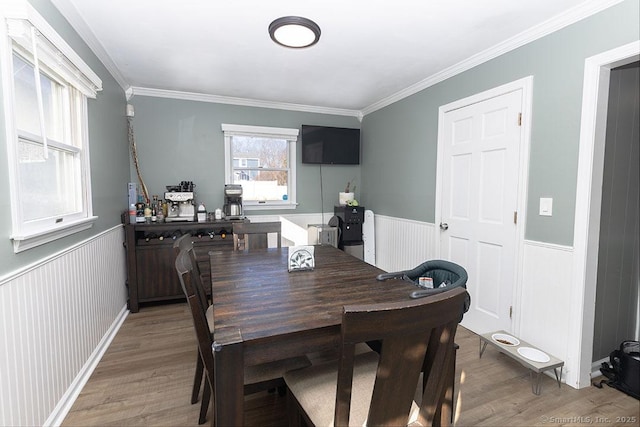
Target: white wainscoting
(544, 318)
(57, 318)
(402, 244)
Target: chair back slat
(186, 275)
(183, 267)
(254, 235)
(183, 243)
(198, 284)
(412, 333)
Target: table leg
(229, 385)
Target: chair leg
(204, 406)
(197, 378)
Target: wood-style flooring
(145, 379)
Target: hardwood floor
(145, 379)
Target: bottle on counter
(202, 213)
(160, 211)
(147, 214)
(154, 209)
(139, 212)
(132, 214)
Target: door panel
(491, 199)
(488, 283)
(460, 184)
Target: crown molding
(556, 23)
(201, 97)
(80, 26)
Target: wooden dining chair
(257, 378)
(254, 235)
(184, 244)
(371, 389)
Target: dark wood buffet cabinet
(151, 272)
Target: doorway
(588, 204)
(482, 158)
(616, 311)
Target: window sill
(28, 241)
(267, 206)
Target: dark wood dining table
(264, 313)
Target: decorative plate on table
(301, 258)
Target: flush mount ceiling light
(294, 31)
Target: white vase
(343, 198)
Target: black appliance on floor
(350, 220)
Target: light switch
(546, 206)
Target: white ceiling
(370, 51)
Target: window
(46, 86)
(262, 160)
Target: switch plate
(546, 206)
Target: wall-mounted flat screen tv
(330, 145)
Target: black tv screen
(330, 145)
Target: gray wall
(181, 140)
(399, 153)
(108, 151)
(616, 311)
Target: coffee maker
(233, 201)
(182, 205)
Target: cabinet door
(157, 277)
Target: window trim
(290, 135)
(60, 59)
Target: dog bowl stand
(535, 368)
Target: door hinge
(519, 119)
(515, 217)
(510, 312)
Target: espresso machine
(233, 201)
(181, 198)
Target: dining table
(263, 313)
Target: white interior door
(479, 197)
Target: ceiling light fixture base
(294, 31)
